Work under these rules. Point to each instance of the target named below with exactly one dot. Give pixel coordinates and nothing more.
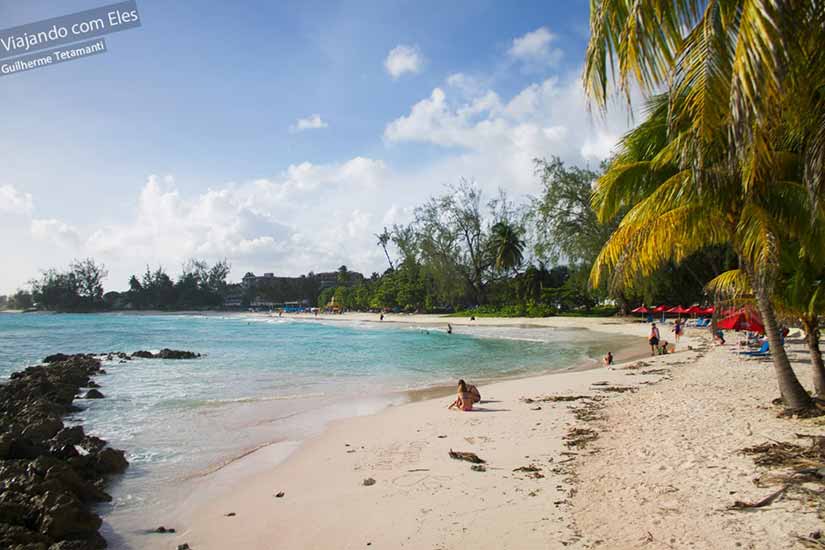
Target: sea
(263, 382)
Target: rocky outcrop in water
(166, 353)
(50, 474)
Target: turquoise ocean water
(262, 380)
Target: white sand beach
(665, 462)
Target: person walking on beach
(608, 359)
(677, 330)
(653, 338)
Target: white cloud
(56, 232)
(495, 140)
(317, 216)
(403, 59)
(13, 201)
(312, 122)
(534, 49)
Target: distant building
(324, 280)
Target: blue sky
(185, 139)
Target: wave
(197, 403)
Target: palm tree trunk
(388, 258)
(811, 325)
(793, 394)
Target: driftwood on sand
(469, 457)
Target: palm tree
(799, 296)
(507, 246)
(737, 63)
(745, 112)
(672, 216)
(803, 299)
(383, 240)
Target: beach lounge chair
(763, 351)
(702, 323)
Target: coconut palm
(802, 297)
(383, 240)
(799, 297)
(743, 122)
(736, 64)
(506, 246)
(672, 215)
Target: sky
(282, 136)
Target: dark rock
(57, 357)
(177, 354)
(64, 517)
(92, 384)
(369, 481)
(93, 394)
(95, 542)
(47, 487)
(280, 495)
(43, 428)
(111, 461)
(183, 546)
(71, 436)
(166, 353)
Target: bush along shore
(52, 475)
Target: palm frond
(730, 284)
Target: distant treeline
(458, 252)
(461, 252)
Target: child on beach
(467, 395)
(653, 339)
(677, 330)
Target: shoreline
(631, 457)
(251, 470)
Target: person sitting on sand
(467, 395)
(663, 348)
(608, 359)
(653, 339)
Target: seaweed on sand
(469, 457)
(580, 437)
(554, 398)
(799, 465)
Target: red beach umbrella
(708, 310)
(661, 309)
(742, 320)
(640, 309)
(677, 309)
(694, 310)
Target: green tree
(675, 212)
(567, 228)
(507, 246)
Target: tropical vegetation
(732, 151)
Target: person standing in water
(653, 338)
(449, 328)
